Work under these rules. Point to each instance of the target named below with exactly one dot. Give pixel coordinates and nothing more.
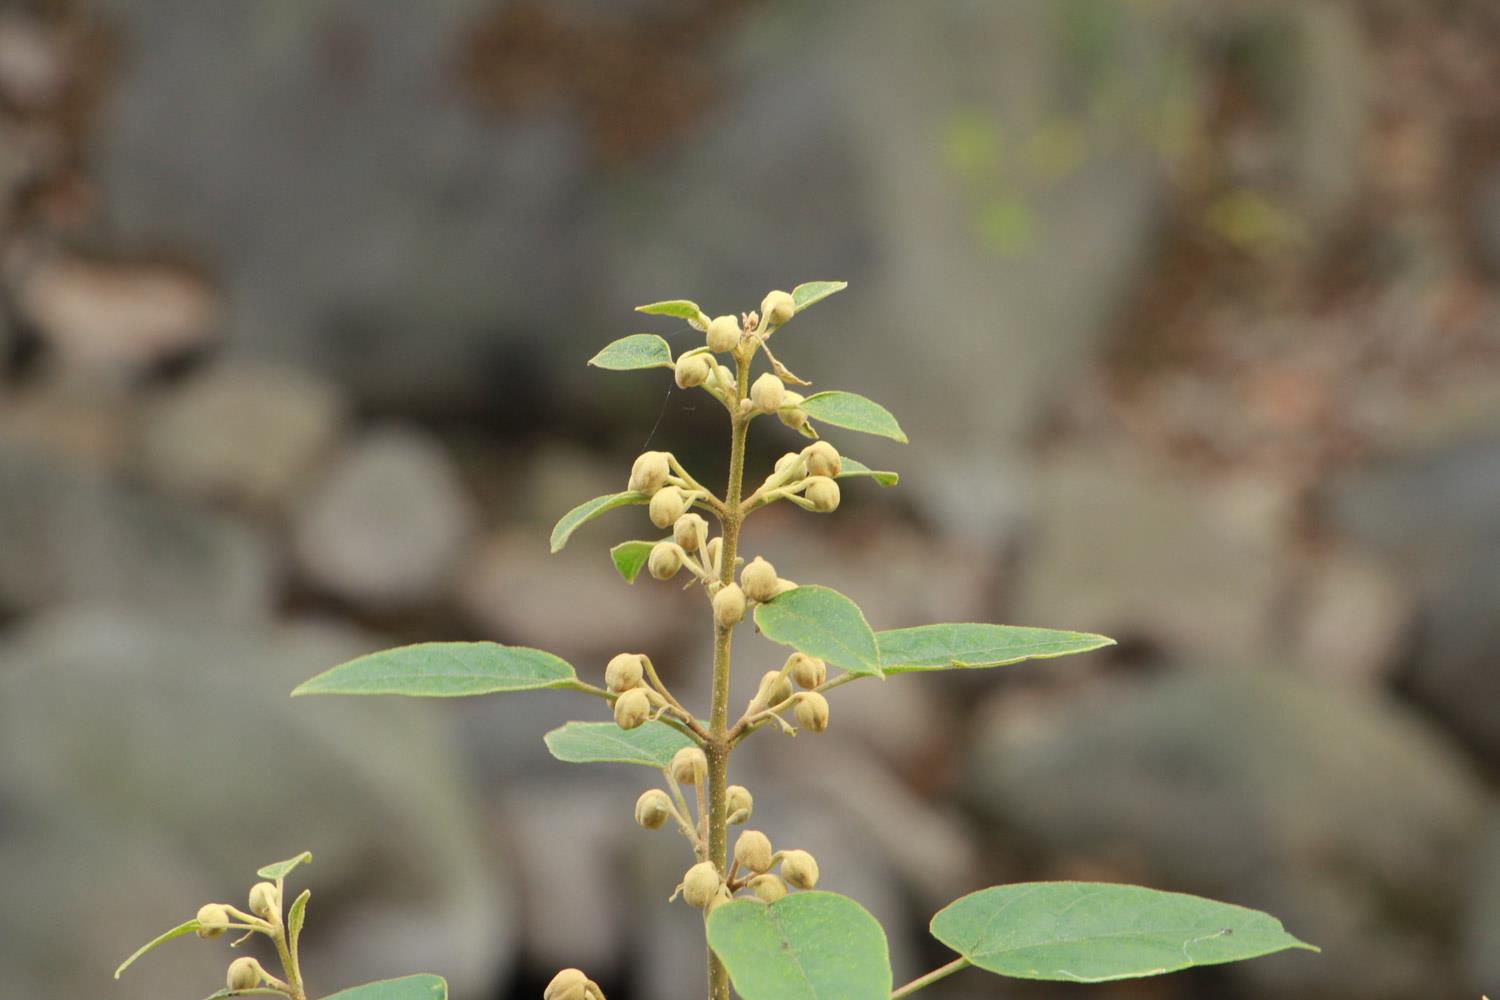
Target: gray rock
(388, 523)
(1340, 814)
(147, 768)
(1482, 925)
(1354, 618)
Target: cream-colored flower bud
(569, 984)
(823, 459)
(812, 711)
(693, 370)
(729, 606)
(752, 849)
(701, 884)
(758, 579)
(787, 463)
(689, 766)
(740, 801)
(264, 899)
(799, 869)
(623, 672)
(778, 308)
(790, 412)
(723, 334)
(806, 671)
(774, 689)
(667, 506)
(653, 809)
(767, 392)
(649, 472)
(768, 888)
(728, 380)
(665, 560)
(715, 550)
(783, 585)
(719, 899)
(632, 708)
(690, 531)
(213, 920)
(823, 493)
(244, 973)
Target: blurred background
(1192, 313)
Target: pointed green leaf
(960, 646)
(590, 509)
(806, 946)
(424, 987)
(259, 991)
(849, 467)
(444, 670)
(281, 869)
(821, 622)
(853, 412)
(175, 932)
(653, 744)
(812, 292)
(639, 350)
(1090, 932)
(678, 308)
(630, 558)
(295, 918)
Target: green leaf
(805, 946)
(175, 932)
(639, 350)
(259, 991)
(821, 622)
(281, 869)
(406, 988)
(590, 509)
(653, 744)
(295, 918)
(853, 412)
(1090, 932)
(849, 467)
(679, 308)
(813, 292)
(630, 558)
(444, 670)
(963, 646)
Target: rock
(388, 523)
(1354, 619)
(33, 64)
(185, 767)
(1342, 815)
(71, 535)
(245, 433)
(1482, 923)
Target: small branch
(956, 965)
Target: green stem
(931, 977)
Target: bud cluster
(704, 888)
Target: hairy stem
(931, 977)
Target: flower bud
(790, 412)
(823, 493)
(812, 711)
(799, 869)
(778, 308)
(774, 689)
(768, 888)
(690, 532)
(701, 884)
(758, 579)
(569, 984)
(649, 472)
(213, 920)
(753, 851)
(623, 672)
(667, 506)
(807, 671)
(689, 766)
(719, 899)
(653, 809)
(692, 370)
(728, 380)
(715, 550)
(785, 464)
(632, 708)
(767, 392)
(245, 973)
(822, 459)
(665, 560)
(740, 801)
(264, 899)
(723, 334)
(729, 606)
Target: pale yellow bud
(723, 334)
(729, 606)
(693, 370)
(758, 579)
(767, 392)
(752, 850)
(623, 672)
(689, 766)
(690, 532)
(569, 984)
(701, 884)
(244, 974)
(740, 801)
(799, 869)
(807, 671)
(822, 459)
(778, 308)
(719, 899)
(790, 412)
(823, 493)
(632, 708)
(649, 472)
(653, 809)
(812, 711)
(774, 689)
(715, 550)
(264, 899)
(787, 463)
(213, 920)
(665, 560)
(667, 506)
(768, 888)
(728, 380)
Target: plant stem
(931, 977)
(719, 745)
